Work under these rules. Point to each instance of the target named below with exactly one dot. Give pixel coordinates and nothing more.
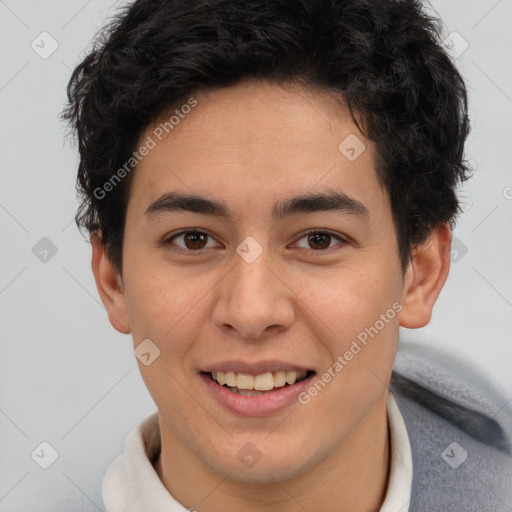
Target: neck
(354, 477)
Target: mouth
(260, 384)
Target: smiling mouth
(256, 385)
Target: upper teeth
(261, 382)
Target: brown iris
(195, 239)
(322, 239)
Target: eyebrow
(303, 204)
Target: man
(269, 188)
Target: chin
(259, 471)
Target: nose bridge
(252, 297)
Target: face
(260, 284)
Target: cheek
(346, 302)
(356, 319)
(167, 307)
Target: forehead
(256, 141)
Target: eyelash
(199, 251)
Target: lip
(259, 405)
(254, 368)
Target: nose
(255, 300)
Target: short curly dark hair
(384, 58)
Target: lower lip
(258, 405)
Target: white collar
(131, 483)
(400, 476)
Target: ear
(110, 285)
(425, 277)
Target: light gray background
(67, 377)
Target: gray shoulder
(460, 431)
(455, 390)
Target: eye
(321, 240)
(193, 241)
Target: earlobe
(110, 285)
(425, 278)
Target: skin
(252, 145)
